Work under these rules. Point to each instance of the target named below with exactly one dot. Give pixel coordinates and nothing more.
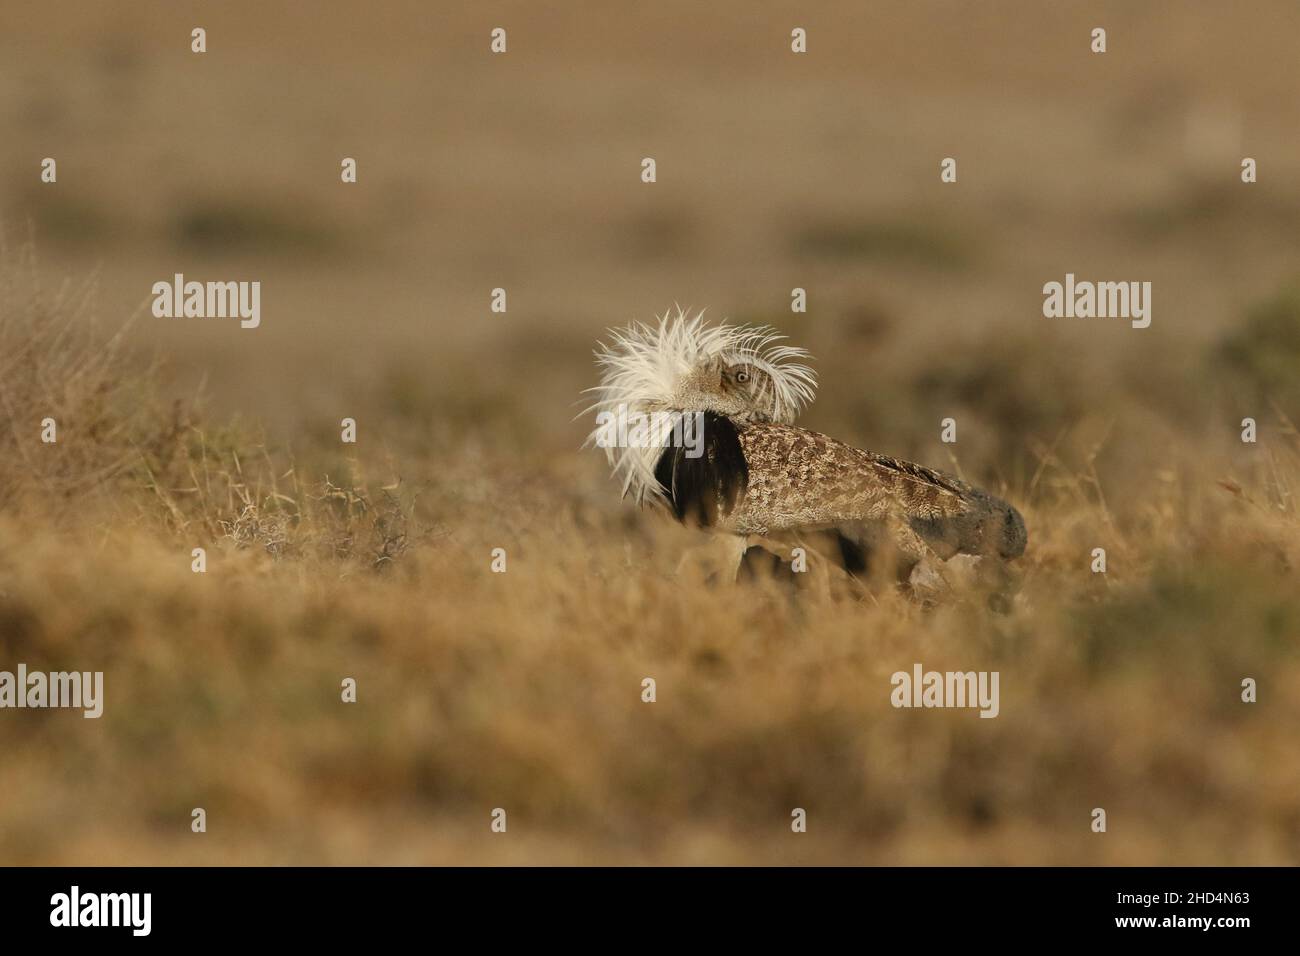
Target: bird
(698, 419)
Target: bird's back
(799, 479)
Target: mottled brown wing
(799, 479)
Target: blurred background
(522, 171)
(775, 170)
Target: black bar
(329, 906)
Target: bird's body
(757, 477)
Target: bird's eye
(742, 376)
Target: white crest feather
(644, 367)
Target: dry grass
(54, 364)
(522, 690)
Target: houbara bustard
(699, 418)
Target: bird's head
(736, 385)
(682, 367)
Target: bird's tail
(975, 523)
(991, 526)
(1012, 536)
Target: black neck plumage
(704, 482)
